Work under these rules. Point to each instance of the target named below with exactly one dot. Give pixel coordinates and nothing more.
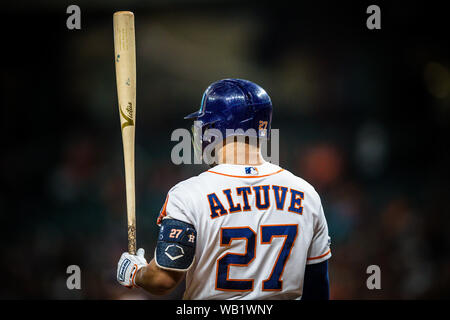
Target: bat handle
(131, 239)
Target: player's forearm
(156, 280)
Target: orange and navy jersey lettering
(279, 197)
(237, 199)
(217, 208)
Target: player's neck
(240, 153)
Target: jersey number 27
(273, 282)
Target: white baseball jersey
(257, 228)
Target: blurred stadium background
(363, 116)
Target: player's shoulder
(302, 184)
(190, 184)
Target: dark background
(363, 116)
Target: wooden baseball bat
(125, 61)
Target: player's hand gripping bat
(125, 61)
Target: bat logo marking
(128, 118)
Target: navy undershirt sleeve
(316, 284)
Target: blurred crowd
(362, 118)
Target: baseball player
(244, 229)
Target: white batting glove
(128, 266)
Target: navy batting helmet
(233, 106)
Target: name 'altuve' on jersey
(257, 227)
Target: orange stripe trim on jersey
(229, 175)
(321, 256)
(163, 212)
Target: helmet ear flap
(203, 135)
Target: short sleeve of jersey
(319, 249)
(177, 206)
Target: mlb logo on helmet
(251, 170)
